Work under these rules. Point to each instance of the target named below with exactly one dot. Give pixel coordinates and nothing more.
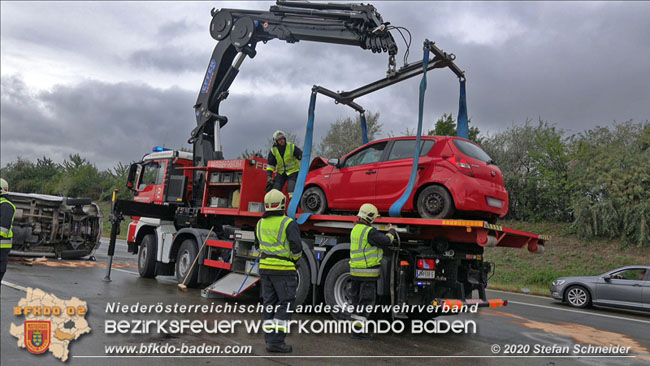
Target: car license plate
(425, 274)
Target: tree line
(597, 180)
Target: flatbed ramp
(233, 284)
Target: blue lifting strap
(304, 165)
(463, 124)
(364, 128)
(396, 208)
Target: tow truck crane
(184, 200)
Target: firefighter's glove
(392, 234)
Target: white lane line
(137, 274)
(520, 294)
(14, 286)
(579, 312)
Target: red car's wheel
(313, 201)
(434, 202)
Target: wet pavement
(528, 321)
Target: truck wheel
(304, 281)
(336, 284)
(577, 296)
(184, 260)
(147, 257)
(434, 202)
(313, 201)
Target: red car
(456, 178)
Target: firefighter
(7, 211)
(280, 246)
(366, 244)
(284, 158)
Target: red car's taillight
(462, 165)
(426, 264)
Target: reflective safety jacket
(274, 247)
(7, 224)
(365, 259)
(285, 163)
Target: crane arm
(238, 32)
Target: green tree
(79, 178)
(345, 135)
(115, 178)
(446, 126)
(610, 183)
(534, 162)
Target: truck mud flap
(231, 284)
(453, 303)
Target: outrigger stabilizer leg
(115, 218)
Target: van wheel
(434, 202)
(313, 201)
(147, 257)
(184, 260)
(304, 282)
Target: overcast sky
(110, 80)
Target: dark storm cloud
(111, 123)
(105, 123)
(577, 65)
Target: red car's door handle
(371, 172)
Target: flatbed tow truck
(190, 205)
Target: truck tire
(336, 283)
(434, 202)
(313, 201)
(147, 257)
(186, 254)
(304, 281)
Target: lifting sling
(463, 125)
(396, 207)
(304, 164)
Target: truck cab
(160, 178)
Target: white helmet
(368, 212)
(275, 200)
(278, 135)
(4, 187)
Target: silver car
(626, 287)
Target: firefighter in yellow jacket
(284, 158)
(366, 244)
(280, 246)
(7, 211)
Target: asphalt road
(527, 325)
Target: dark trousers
(362, 292)
(4, 259)
(281, 179)
(278, 291)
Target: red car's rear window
(472, 150)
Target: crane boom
(238, 32)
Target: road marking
(520, 294)
(579, 312)
(137, 274)
(14, 286)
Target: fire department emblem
(37, 336)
